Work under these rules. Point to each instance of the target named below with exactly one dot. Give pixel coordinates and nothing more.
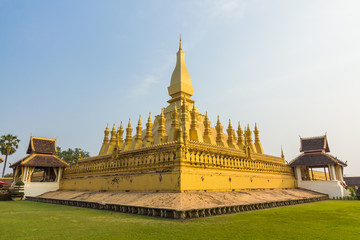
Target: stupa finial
(180, 84)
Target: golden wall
(179, 167)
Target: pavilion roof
(317, 159)
(314, 144)
(41, 145)
(40, 160)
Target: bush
(5, 194)
(352, 191)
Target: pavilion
(41, 160)
(329, 179)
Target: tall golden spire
(231, 141)
(240, 134)
(128, 138)
(148, 140)
(138, 129)
(258, 145)
(174, 129)
(137, 143)
(180, 46)
(180, 84)
(194, 131)
(113, 133)
(161, 135)
(120, 132)
(106, 134)
(105, 144)
(208, 138)
(219, 134)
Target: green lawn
(319, 220)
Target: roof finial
(180, 47)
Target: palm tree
(8, 146)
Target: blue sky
(69, 67)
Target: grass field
(319, 220)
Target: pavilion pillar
(341, 174)
(24, 174)
(298, 173)
(332, 172)
(59, 174)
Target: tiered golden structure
(179, 152)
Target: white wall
(332, 188)
(33, 189)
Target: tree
(71, 156)
(8, 146)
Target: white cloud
(143, 88)
(226, 9)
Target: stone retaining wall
(173, 213)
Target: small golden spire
(138, 138)
(148, 140)
(106, 134)
(230, 126)
(219, 135)
(180, 47)
(282, 153)
(208, 138)
(240, 140)
(79, 157)
(161, 136)
(113, 133)
(120, 136)
(128, 138)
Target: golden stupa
(179, 152)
